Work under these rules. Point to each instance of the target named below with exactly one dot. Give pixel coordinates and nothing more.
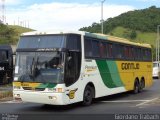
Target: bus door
(72, 73)
(72, 66)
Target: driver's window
(72, 68)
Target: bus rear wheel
(142, 85)
(136, 87)
(88, 95)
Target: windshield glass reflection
(39, 67)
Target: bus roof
(117, 39)
(94, 35)
(52, 32)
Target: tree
(133, 34)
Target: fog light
(54, 98)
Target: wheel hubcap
(88, 96)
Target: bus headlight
(57, 90)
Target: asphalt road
(148, 101)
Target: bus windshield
(44, 67)
(45, 41)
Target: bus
(65, 67)
(6, 64)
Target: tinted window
(109, 50)
(126, 52)
(72, 68)
(56, 41)
(95, 48)
(138, 54)
(112, 50)
(119, 51)
(130, 53)
(88, 47)
(103, 50)
(149, 55)
(74, 42)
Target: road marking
(145, 102)
(124, 101)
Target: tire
(88, 96)
(136, 87)
(141, 86)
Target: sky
(67, 14)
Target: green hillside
(138, 26)
(9, 34)
(142, 37)
(18, 30)
(145, 20)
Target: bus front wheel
(88, 95)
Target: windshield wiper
(35, 70)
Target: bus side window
(88, 47)
(109, 50)
(95, 49)
(103, 50)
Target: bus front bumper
(42, 97)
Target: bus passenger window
(88, 48)
(95, 48)
(109, 50)
(126, 52)
(103, 50)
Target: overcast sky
(68, 14)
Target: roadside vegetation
(10, 34)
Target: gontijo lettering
(130, 66)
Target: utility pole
(102, 16)
(2, 12)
